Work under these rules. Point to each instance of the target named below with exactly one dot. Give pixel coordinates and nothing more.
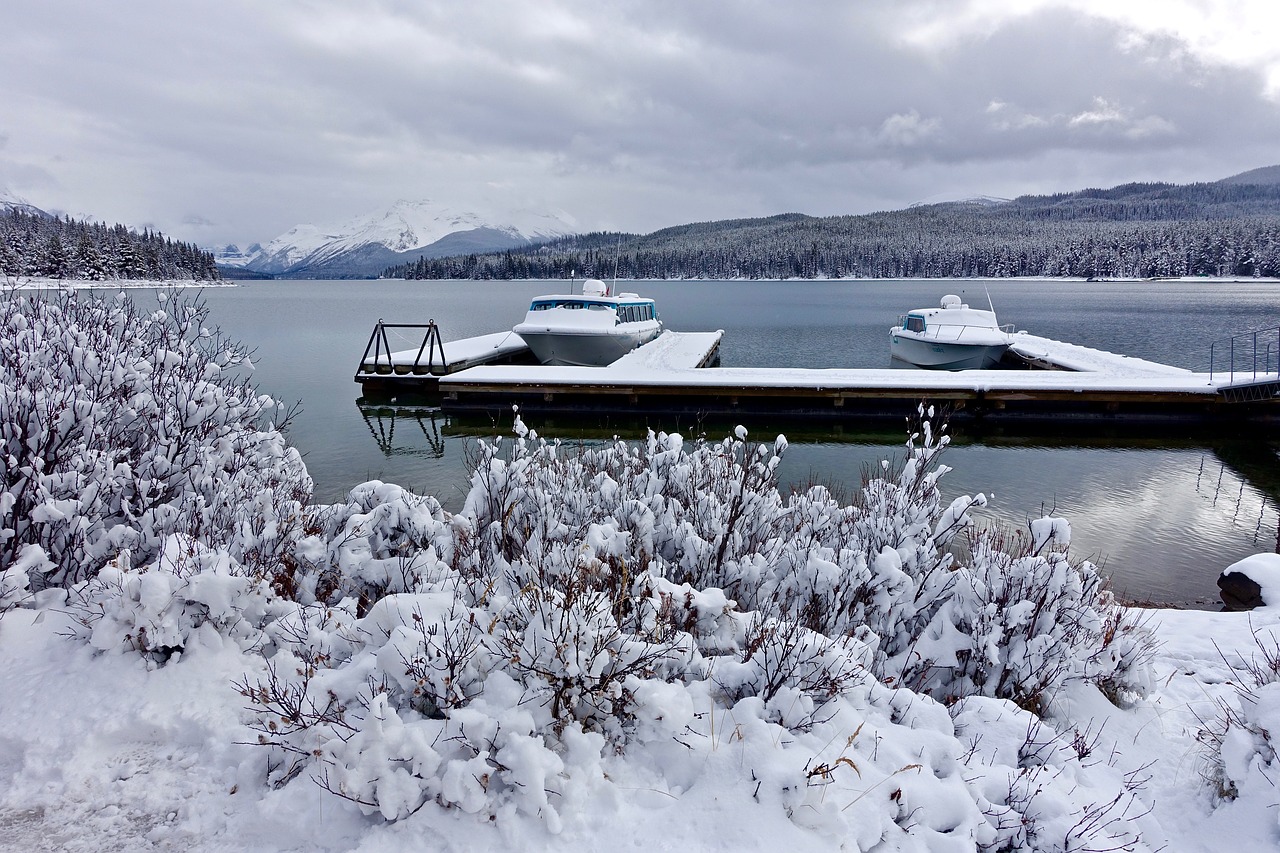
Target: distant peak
(1263, 175)
(10, 200)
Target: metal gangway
(1247, 366)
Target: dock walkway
(1048, 354)
(672, 375)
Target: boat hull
(583, 349)
(941, 355)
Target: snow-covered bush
(1021, 619)
(582, 596)
(1016, 622)
(119, 427)
(1242, 740)
(383, 540)
(595, 602)
(1043, 789)
(158, 609)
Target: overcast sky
(232, 120)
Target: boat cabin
(629, 307)
(913, 322)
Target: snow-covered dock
(1047, 354)
(418, 370)
(674, 351)
(432, 356)
(674, 375)
(384, 372)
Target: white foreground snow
(101, 753)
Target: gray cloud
(234, 121)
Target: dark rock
(1239, 591)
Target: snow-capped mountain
(232, 255)
(12, 201)
(367, 244)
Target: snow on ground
(102, 752)
(128, 283)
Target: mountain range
(365, 245)
(1229, 227)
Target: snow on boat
(952, 336)
(592, 329)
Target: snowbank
(107, 752)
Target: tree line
(38, 246)
(1131, 231)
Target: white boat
(952, 336)
(590, 329)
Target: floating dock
(674, 375)
(384, 373)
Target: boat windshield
(913, 323)
(571, 303)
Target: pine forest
(36, 246)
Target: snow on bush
(1241, 739)
(1022, 619)
(189, 591)
(119, 427)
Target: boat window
(547, 304)
(914, 323)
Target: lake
(1162, 513)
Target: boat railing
(380, 346)
(1247, 356)
(933, 329)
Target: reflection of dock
(675, 374)
(382, 421)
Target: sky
(232, 121)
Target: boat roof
(577, 298)
(953, 311)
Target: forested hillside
(36, 246)
(1225, 228)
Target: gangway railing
(380, 346)
(1248, 356)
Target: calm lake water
(1163, 514)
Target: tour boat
(950, 337)
(591, 329)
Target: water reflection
(426, 440)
